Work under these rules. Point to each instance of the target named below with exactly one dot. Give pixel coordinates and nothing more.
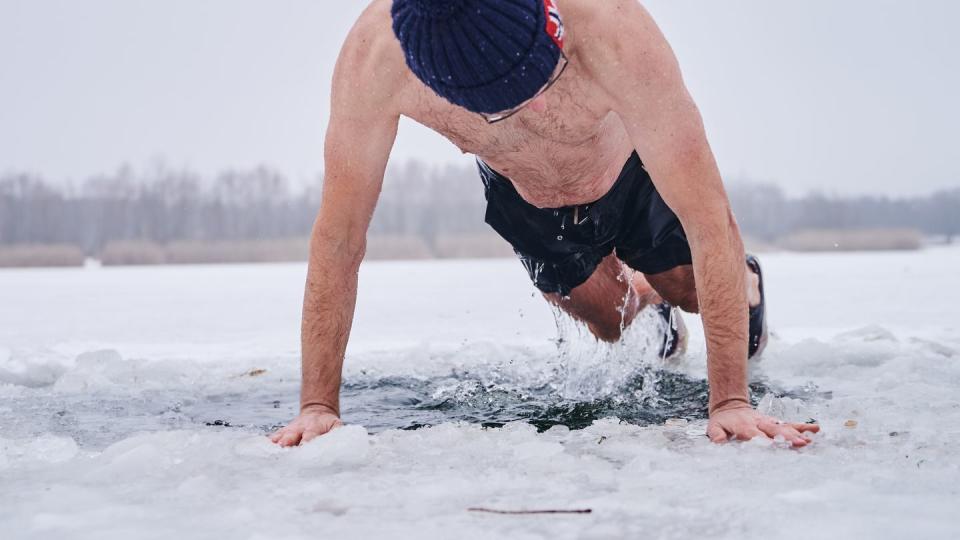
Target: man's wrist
(319, 407)
(738, 402)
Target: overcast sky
(851, 96)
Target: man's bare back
(561, 144)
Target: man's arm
(360, 135)
(647, 91)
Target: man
(559, 100)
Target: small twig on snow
(529, 512)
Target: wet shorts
(561, 247)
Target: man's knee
(605, 320)
(685, 300)
(678, 287)
(608, 320)
(610, 333)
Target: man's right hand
(310, 424)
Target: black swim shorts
(561, 247)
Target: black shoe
(674, 339)
(758, 318)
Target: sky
(842, 97)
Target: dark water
(397, 402)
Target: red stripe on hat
(554, 22)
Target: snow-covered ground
(134, 403)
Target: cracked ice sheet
(875, 333)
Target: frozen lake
(134, 403)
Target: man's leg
(610, 300)
(678, 287)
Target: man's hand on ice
(310, 424)
(740, 421)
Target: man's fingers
(794, 436)
(299, 432)
(716, 434)
(806, 428)
(789, 432)
(292, 438)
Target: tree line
(169, 205)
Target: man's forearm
(718, 257)
(328, 307)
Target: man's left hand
(742, 422)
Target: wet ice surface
(133, 403)
(95, 419)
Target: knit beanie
(486, 56)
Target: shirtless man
(558, 99)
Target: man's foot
(675, 337)
(758, 315)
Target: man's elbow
(713, 224)
(338, 246)
(697, 185)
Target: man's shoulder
(616, 35)
(610, 24)
(370, 51)
(374, 24)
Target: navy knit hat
(486, 56)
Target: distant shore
(407, 247)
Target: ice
(37, 452)
(143, 413)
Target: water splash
(573, 384)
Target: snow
(134, 403)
